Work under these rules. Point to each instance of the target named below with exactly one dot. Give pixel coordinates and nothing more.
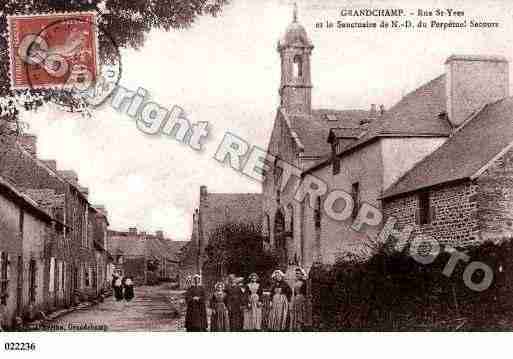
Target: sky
(226, 71)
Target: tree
(237, 248)
(126, 21)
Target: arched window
(290, 209)
(297, 66)
(276, 170)
(317, 213)
(279, 236)
(267, 228)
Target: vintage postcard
(300, 168)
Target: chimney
(52, 164)
(473, 81)
(203, 193)
(381, 110)
(373, 109)
(70, 176)
(159, 234)
(29, 143)
(132, 231)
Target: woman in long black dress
(196, 316)
(118, 289)
(129, 289)
(298, 304)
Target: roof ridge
(491, 118)
(424, 85)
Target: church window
(317, 213)
(267, 228)
(298, 66)
(275, 170)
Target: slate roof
(129, 245)
(236, 199)
(218, 209)
(150, 246)
(346, 132)
(313, 130)
(465, 153)
(27, 171)
(419, 113)
(23, 200)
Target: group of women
(240, 306)
(123, 287)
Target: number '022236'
(19, 346)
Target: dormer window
(297, 67)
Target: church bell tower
(296, 87)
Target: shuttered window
(424, 209)
(32, 280)
(4, 277)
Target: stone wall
(454, 219)
(10, 243)
(282, 144)
(466, 212)
(495, 198)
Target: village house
(145, 257)
(439, 159)
(216, 210)
(70, 263)
(462, 193)
(29, 237)
(104, 266)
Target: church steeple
(295, 49)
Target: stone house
(30, 236)
(462, 193)
(103, 258)
(60, 193)
(429, 140)
(216, 210)
(147, 258)
(422, 161)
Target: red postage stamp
(53, 50)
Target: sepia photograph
(325, 170)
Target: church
(423, 161)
